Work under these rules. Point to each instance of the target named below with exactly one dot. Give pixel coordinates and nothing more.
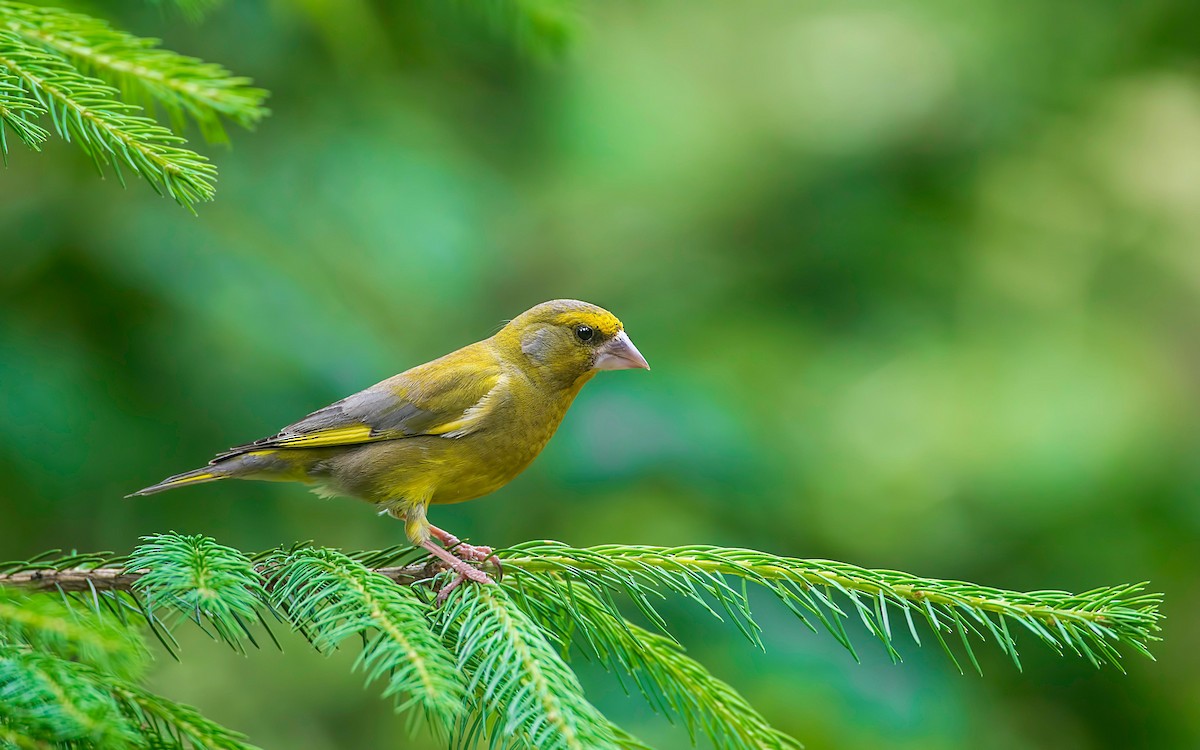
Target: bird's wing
(450, 397)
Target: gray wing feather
(395, 408)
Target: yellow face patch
(604, 323)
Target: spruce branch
(50, 701)
(673, 683)
(54, 700)
(1090, 624)
(494, 656)
(144, 73)
(205, 581)
(48, 625)
(520, 685)
(73, 577)
(18, 111)
(175, 724)
(87, 110)
(330, 597)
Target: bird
(453, 429)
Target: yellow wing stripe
(189, 479)
(463, 424)
(336, 436)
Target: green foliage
(541, 27)
(49, 60)
(1090, 625)
(673, 683)
(523, 693)
(202, 580)
(330, 597)
(65, 681)
(165, 723)
(490, 664)
(48, 625)
(144, 73)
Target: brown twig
(119, 579)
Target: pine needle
(521, 689)
(330, 597)
(489, 665)
(144, 73)
(1091, 624)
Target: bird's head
(568, 340)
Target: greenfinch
(450, 430)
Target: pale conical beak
(620, 354)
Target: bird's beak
(620, 354)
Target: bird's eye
(584, 333)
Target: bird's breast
(491, 457)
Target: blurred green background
(918, 282)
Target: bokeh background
(918, 281)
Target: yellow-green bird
(447, 431)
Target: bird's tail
(195, 476)
(268, 464)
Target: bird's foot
(479, 553)
(444, 592)
(476, 553)
(468, 552)
(464, 570)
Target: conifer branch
(140, 69)
(86, 109)
(74, 579)
(61, 703)
(490, 663)
(330, 597)
(18, 111)
(93, 82)
(520, 684)
(175, 723)
(673, 683)
(48, 625)
(1090, 624)
(202, 580)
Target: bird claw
(457, 557)
(479, 553)
(463, 570)
(464, 573)
(444, 592)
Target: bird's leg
(444, 592)
(477, 553)
(417, 527)
(459, 547)
(463, 568)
